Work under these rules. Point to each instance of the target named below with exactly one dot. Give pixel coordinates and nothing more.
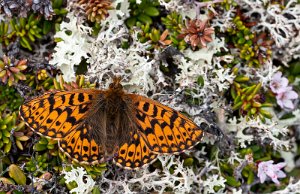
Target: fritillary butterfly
(93, 126)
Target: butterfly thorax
(114, 99)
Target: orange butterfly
(93, 126)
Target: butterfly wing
(164, 129)
(79, 146)
(134, 154)
(56, 114)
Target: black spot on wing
(51, 99)
(81, 97)
(71, 120)
(90, 97)
(83, 108)
(49, 120)
(154, 111)
(71, 101)
(173, 119)
(63, 99)
(163, 125)
(149, 131)
(68, 110)
(58, 110)
(130, 153)
(57, 123)
(153, 122)
(163, 113)
(140, 116)
(146, 106)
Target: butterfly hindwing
(134, 154)
(56, 114)
(79, 146)
(164, 129)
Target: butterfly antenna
(122, 78)
(110, 76)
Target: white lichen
(72, 48)
(84, 182)
(282, 23)
(268, 133)
(292, 187)
(173, 175)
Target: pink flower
(284, 99)
(278, 83)
(269, 170)
(284, 93)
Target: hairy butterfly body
(93, 126)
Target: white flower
(269, 170)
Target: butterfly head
(116, 85)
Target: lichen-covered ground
(234, 63)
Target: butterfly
(93, 126)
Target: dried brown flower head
(163, 39)
(96, 10)
(197, 33)
(10, 70)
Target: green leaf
(232, 182)
(40, 147)
(295, 68)
(188, 162)
(250, 178)
(200, 81)
(96, 190)
(151, 11)
(17, 174)
(57, 3)
(131, 22)
(7, 147)
(144, 18)
(46, 27)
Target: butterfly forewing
(57, 114)
(164, 129)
